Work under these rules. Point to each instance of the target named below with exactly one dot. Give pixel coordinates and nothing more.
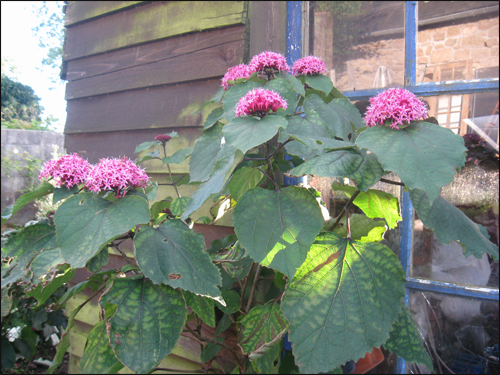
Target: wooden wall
(136, 69)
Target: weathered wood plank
(152, 52)
(204, 64)
(267, 27)
(151, 108)
(153, 21)
(78, 11)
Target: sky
(21, 46)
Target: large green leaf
(242, 180)
(245, 133)
(207, 150)
(99, 260)
(178, 157)
(179, 205)
(298, 86)
(405, 340)
(362, 167)
(63, 192)
(44, 290)
(233, 95)
(213, 117)
(320, 82)
(451, 224)
(374, 203)
(147, 323)
(85, 222)
(342, 302)
(425, 156)
(43, 189)
(286, 90)
(44, 262)
(23, 246)
(222, 170)
(98, 357)
(203, 307)
(260, 326)
(363, 228)
(175, 255)
(277, 228)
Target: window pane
(458, 332)
(361, 42)
(457, 40)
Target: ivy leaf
(244, 179)
(320, 82)
(85, 222)
(342, 302)
(222, 170)
(375, 204)
(213, 117)
(63, 192)
(405, 340)
(277, 228)
(23, 246)
(203, 307)
(98, 357)
(207, 150)
(425, 156)
(262, 325)
(286, 90)
(233, 95)
(147, 323)
(451, 224)
(175, 255)
(365, 169)
(363, 229)
(178, 157)
(43, 189)
(245, 133)
(179, 205)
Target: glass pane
(457, 40)
(361, 42)
(474, 190)
(460, 333)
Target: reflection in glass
(460, 334)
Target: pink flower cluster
(235, 72)
(269, 60)
(258, 102)
(309, 65)
(117, 175)
(68, 169)
(398, 105)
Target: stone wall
(38, 144)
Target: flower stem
(392, 182)
(346, 207)
(170, 172)
(254, 286)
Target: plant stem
(392, 182)
(341, 215)
(254, 286)
(170, 172)
(269, 178)
(242, 300)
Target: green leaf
(342, 302)
(144, 146)
(30, 337)
(232, 300)
(99, 260)
(23, 246)
(43, 189)
(451, 224)
(286, 91)
(245, 133)
(175, 255)
(44, 262)
(6, 302)
(178, 157)
(263, 359)
(213, 117)
(244, 179)
(363, 229)
(218, 95)
(287, 364)
(151, 191)
(158, 207)
(8, 354)
(207, 150)
(355, 164)
(234, 94)
(262, 325)
(211, 350)
(224, 324)
(147, 323)
(349, 112)
(222, 170)
(85, 222)
(298, 86)
(43, 291)
(320, 82)
(277, 228)
(374, 203)
(64, 192)
(203, 307)
(98, 357)
(179, 205)
(425, 156)
(405, 340)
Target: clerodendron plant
(331, 285)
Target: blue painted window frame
(294, 51)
